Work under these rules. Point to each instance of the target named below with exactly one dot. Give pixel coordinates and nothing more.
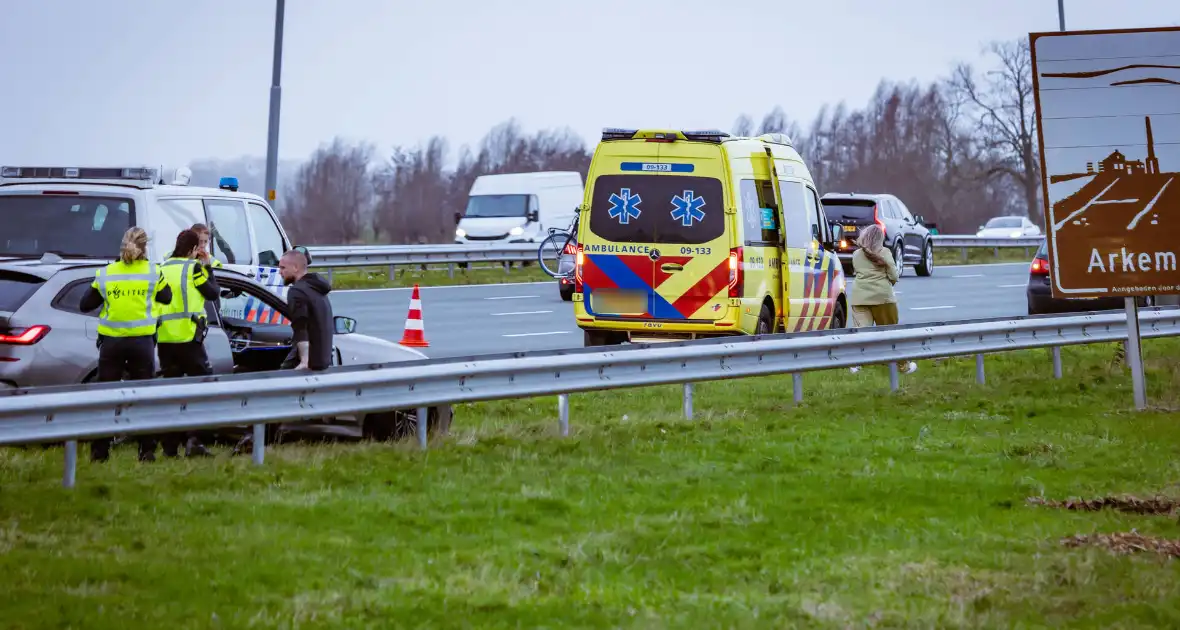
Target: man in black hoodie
(311, 314)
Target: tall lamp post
(1060, 14)
(276, 94)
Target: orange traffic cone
(413, 335)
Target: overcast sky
(147, 81)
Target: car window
(1004, 222)
(252, 304)
(16, 289)
(70, 297)
(637, 208)
(229, 235)
(68, 223)
(175, 216)
(795, 209)
(267, 237)
(813, 220)
(902, 211)
(759, 211)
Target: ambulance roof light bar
(663, 135)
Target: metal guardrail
(96, 410)
(329, 256)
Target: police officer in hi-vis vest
(184, 324)
(128, 291)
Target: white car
(1009, 227)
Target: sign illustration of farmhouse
(1108, 118)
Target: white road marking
(511, 297)
(1013, 286)
(521, 313)
(539, 334)
(1150, 204)
(969, 275)
(929, 308)
(1079, 211)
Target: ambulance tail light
(23, 337)
(737, 275)
(580, 258)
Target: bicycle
(556, 256)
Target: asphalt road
(483, 319)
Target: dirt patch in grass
(1125, 543)
(1128, 504)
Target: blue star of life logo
(624, 206)
(688, 208)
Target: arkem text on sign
(1131, 262)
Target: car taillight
(579, 258)
(736, 273)
(1040, 267)
(26, 337)
(877, 218)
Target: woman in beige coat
(873, 301)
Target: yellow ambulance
(692, 234)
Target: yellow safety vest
(178, 323)
(128, 295)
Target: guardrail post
(259, 451)
(507, 267)
(996, 252)
(330, 274)
(392, 272)
(979, 375)
(688, 401)
(69, 474)
(563, 414)
(893, 377)
(1134, 355)
(423, 424)
(797, 382)
(1056, 361)
(451, 270)
(963, 250)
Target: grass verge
(858, 508)
(407, 276)
(945, 256)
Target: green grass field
(861, 508)
(407, 276)
(981, 256)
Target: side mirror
(533, 216)
(837, 233)
(458, 217)
(344, 325)
(919, 219)
(228, 294)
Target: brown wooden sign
(1108, 123)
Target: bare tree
(331, 194)
(743, 126)
(1002, 105)
(412, 193)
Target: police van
(80, 212)
(689, 234)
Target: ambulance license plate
(619, 301)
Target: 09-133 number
(699, 251)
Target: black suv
(905, 235)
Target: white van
(518, 207)
(80, 212)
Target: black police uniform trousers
(135, 358)
(177, 360)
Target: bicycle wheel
(550, 253)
